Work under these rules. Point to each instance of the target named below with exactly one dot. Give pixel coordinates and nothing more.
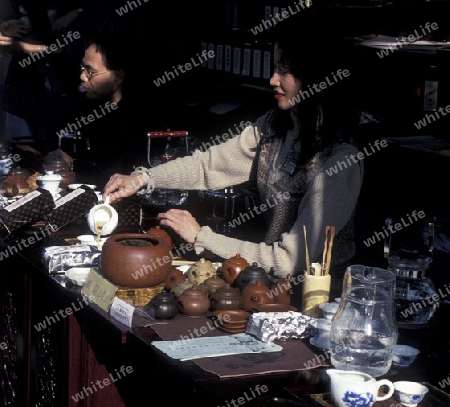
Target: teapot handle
(390, 385)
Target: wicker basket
(138, 297)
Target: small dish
(232, 316)
(321, 333)
(86, 239)
(231, 330)
(78, 275)
(75, 186)
(317, 344)
(329, 309)
(404, 355)
(409, 394)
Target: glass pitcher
(364, 331)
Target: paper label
(69, 197)
(122, 311)
(22, 201)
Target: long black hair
(311, 48)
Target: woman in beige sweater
(302, 156)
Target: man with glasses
(112, 129)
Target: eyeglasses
(88, 72)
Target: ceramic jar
(194, 302)
(256, 293)
(201, 270)
(232, 267)
(135, 260)
(226, 297)
(251, 274)
(175, 276)
(164, 306)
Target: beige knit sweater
(329, 200)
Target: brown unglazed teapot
(194, 302)
(232, 267)
(256, 293)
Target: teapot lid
(228, 291)
(194, 291)
(254, 268)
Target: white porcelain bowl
(404, 355)
(410, 394)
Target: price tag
(99, 290)
(122, 312)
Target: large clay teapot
(232, 267)
(136, 260)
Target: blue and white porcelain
(351, 388)
(409, 394)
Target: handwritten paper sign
(99, 290)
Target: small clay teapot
(226, 297)
(164, 306)
(251, 274)
(256, 293)
(232, 267)
(175, 276)
(201, 270)
(15, 184)
(194, 302)
(213, 283)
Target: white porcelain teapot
(103, 219)
(354, 388)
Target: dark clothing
(113, 137)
